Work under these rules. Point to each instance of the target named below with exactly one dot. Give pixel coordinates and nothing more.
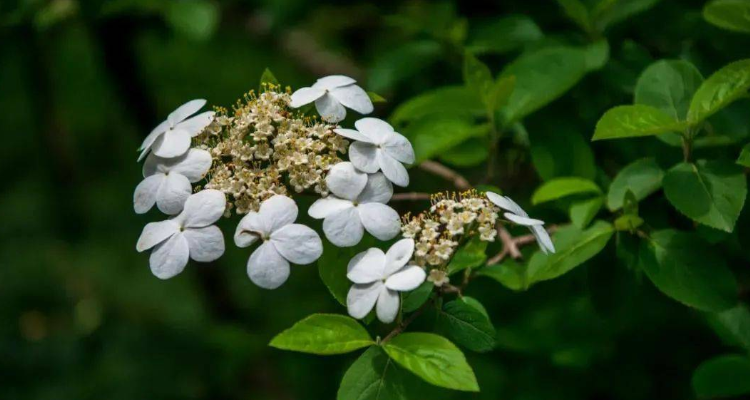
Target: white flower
(188, 235)
(378, 278)
(357, 203)
(283, 241)
(517, 215)
(331, 94)
(168, 181)
(377, 147)
(172, 137)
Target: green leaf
(583, 212)
(499, 93)
(332, 266)
(573, 248)
(434, 135)
(470, 255)
(722, 376)
(733, 15)
(744, 158)
(719, 90)
(709, 192)
(542, 77)
(196, 19)
(597, 55)
(434, 359)
(451, 100)
(668, 85)
(635, 121)
(376, 98)
(684, 268)
(323, 334)
(477, 75)
(374, 376)
(562, 187)
(628, 223)
(578, 13)
(467, 154)
(733, 326)
(504, 35)
(401, 62)
(642, 177)
(414, 299)
(476, 304)
(609, 12)
(467, 326)
(509, 273)
(268, 79)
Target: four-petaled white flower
(517, 215)
(377, 147)
(191, 234)
(167, 181)
(358, 202)
(172, 137)
(378, 278)
(283, 241)
(331, 94)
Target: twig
(512, 245)
(446, 173)
(411, 196)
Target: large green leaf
(609, 12)
(722, 376)
(574, 247)
(733, 326)
(374, 376)
(668, 85)
(710, 192)
(562, 187)
(719, 90)
(642, 177)
(509, 273)
(332, 266)
(433, 135)
(467, 154)
(541, 77)
(635, 121)
(504, 35)
(470, 255)
(434, 359)
(451, 100)
(584, 211)
(733, 15)
(685, 269)
(414, 299)
(467, 326)
(323, 334)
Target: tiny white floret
(516, 214)
(172, 137)
(331, 94)
(378, 277)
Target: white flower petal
(206, 244)
(192, 165)
(155, 233)
(361, 299)
(542, 237)
(399, 147)
(333, 81)
(354, 97)
(380, 220)
(172, 143)
(173, 192)
(525, 221)
(367, 266)
(249, 230)
(398, 255)
(364, 157)
(374, 128)
(277, 211)
(149, 140)
(393, 169)
(388, 303)
(378, 189)
(344, 229)
(353, 135)
(330, 109)
(185, 110)
(202, 209)
(305, 96)
(169, 258)
(195, 125)
(327, 206)
(298, 243)
(345, 181)
(145, 193)
(506, 203)
(407, 279)
(267, 268)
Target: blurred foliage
(83, 81)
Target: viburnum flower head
(377, 147)
(167, 181)
(331, 94)
(283, 241)
(378, 277)
(516, 214)
(357, 203)
(172, 137)
(191, 234)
